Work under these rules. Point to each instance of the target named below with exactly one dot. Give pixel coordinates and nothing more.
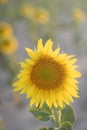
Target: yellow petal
(48, 46)
(72, 61)
(56, 52)
(31, 53)
(40, 45)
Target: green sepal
(42, 114)
(46, 109)
(67, 114)
(66, 126)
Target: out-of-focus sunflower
(78, 15)
(8, 45)
(48, 76)
(4, 1)
(41, 16)
(27, 10)
(5, 30)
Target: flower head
(4, 1)
(27, 10)
(41, 16)
(8, 45)
(5, 30)
(48, 76)
(78, 15)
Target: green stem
(56, 117)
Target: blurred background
(22, 23)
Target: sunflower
(8, 45)
(41, 16)
(4, 1)
(48, 76)
(27, 10)
(5, 30)
(78, 15)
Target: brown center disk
(47, 74)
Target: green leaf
(66, 126)
(40, 114)
(67, 114)
(51, 128)
(43, 128)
